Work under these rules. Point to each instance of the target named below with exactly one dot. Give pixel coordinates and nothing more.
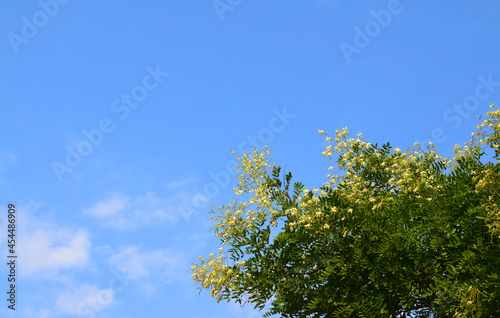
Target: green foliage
(396, 235)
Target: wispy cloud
(53, 250)
(184, 182)
(151, 268)
(108, 208)
(50, 255)
(47, 248)
(81, 301)
(124, 213)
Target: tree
(390, 234)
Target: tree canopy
(390, 233)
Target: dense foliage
(390, 234)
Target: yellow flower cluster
(235, 219)
(487, 135)
(469, 302)
(406, 172)
(215, 275)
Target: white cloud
(151, 268)
(176, 185)
(48, 254)
(123, 213)
(131, 262)
(47, 248)
(85, 300)
(109, 207)
(52, 250)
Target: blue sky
(117, 121)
